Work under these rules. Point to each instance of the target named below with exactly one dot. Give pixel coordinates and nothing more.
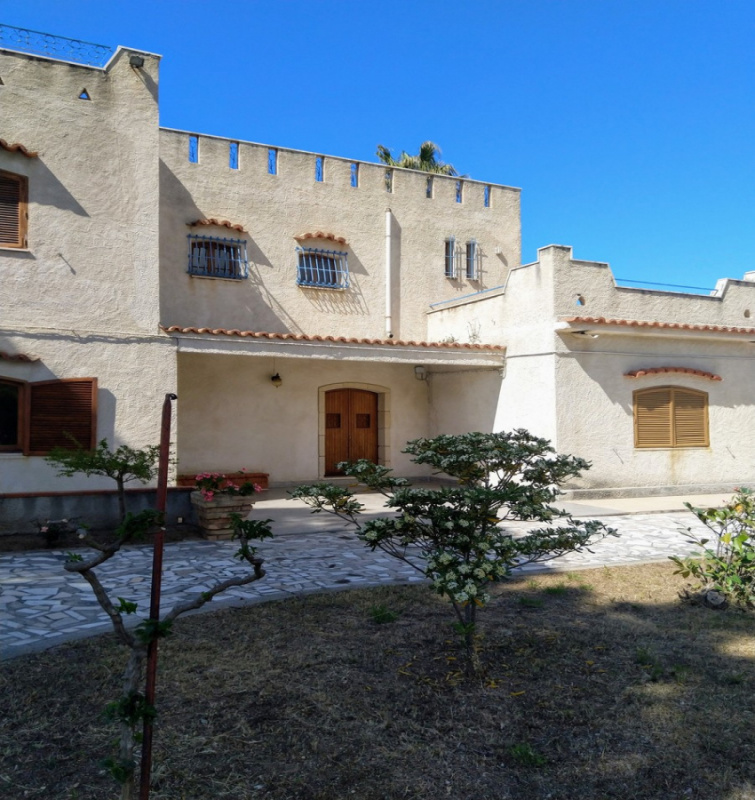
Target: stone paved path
(41, 605)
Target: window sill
(217, 278)
(10, 454)
(323, 288)
(8, 249)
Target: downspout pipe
(388, 271)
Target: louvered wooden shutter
(57, 408)
(690, 418)
(12, 210)
(652, 418)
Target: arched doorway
(351, 427)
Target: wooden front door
(351, 429)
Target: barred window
(322, 269)
(473, 261)
(212, 257)
(450, 257)
(670, 416)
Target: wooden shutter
(12, 210)
(690, 418)
(652, 418)
(58, 408)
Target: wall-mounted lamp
(420, 373)
(136, 61)
(589, 334)
(276, 380)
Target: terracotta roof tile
(16, 357)
(304, 337)
(321, 235)
(675, 326)
(640, 373)
(18, 148)
(223, 223)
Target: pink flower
(257, 487)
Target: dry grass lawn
(598, 684)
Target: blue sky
(629, 124)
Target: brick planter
(214, 516)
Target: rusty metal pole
(154, 608)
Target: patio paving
(42, 605)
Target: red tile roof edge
(639, 373)
(18, 148)
(16, 357)
(321, 235)
(676, 326)
(303, 337)
(223, 223)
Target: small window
(450, 258)
(473, 261)
(322, 269)
(486, 197)
(459, 191)
(36, 417)
(389, 181)
(319, 169)
(212, 257)
(233, 155)
(272, 161)
(355, 175)
(669, 416)
(429, 188)
(194, 149)
(13, 210)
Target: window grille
(473, 260)
(272, 161)
(459, 191)
(319, 169)
(450, 269)
(322, 269)
(355, 175)
(429, 188)
(194, 149)
(213, 257)
(233, 155)
(389, 181)
(486, 197)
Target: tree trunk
(132, 679)
(121, 497)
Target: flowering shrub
(453, 534)
(208, 484)
(725, 564)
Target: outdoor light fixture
(420, 373)
(589, 334)
(276, 380)
(136, 61)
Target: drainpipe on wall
(388, 246)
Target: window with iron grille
(670, 416)
(13, 210)
(450, 257)
(473, 261)
(212, 257)
(322, 269)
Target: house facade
(308, 309)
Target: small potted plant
(216, 498)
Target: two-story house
(308, 309)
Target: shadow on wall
(49, 191)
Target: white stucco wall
(83, 297)
(230, 415)
(275, 208)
